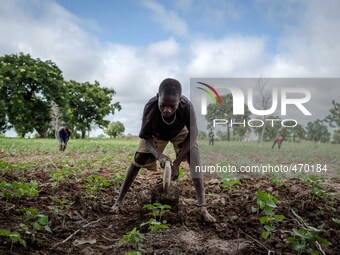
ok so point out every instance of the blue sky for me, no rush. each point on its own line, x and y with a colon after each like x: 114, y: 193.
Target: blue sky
x: 137, y: 22
x: 132, y: 45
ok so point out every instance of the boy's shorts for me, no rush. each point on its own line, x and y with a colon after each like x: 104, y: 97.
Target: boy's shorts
x: 62, y: 138
x: 160, y: 145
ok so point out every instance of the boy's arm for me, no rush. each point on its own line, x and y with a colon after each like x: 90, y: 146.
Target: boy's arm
x: 190, y: 140
x: 68, y: 137
x: 158, y: 155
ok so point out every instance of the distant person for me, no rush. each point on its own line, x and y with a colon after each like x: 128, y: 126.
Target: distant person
x: 63, y: 136
x: 168, y: 117
x: 211, y: 137
x: 278, y: 140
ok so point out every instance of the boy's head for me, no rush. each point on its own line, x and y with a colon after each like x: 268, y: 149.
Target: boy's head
x: 66, y: 129
x: 169, y: 95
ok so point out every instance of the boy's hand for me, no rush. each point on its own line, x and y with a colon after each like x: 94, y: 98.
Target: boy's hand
x: 174, y: 171
x: 162, y: 158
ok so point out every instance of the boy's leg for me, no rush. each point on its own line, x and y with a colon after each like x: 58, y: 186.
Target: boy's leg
x: 197, y: 179
x: 140, y: 159
x: 273, y: 145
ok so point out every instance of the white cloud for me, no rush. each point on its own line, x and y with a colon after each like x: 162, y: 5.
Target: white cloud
x: 169, y: 19
x: 46, y: 30
x: 229, y: 56
x: 310, y: 45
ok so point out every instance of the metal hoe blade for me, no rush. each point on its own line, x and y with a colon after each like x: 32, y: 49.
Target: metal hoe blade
x: 167, y: 176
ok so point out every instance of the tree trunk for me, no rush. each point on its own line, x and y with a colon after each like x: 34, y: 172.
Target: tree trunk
x: 42, y: 132
x: 228, y: 128
x: 83, y: 132
x: 263, y: 129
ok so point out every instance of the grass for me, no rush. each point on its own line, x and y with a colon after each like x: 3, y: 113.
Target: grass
x: 251, y: 153
x: 93, y: 154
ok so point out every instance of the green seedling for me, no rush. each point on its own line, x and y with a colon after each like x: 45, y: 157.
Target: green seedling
x: 62, y: 208
x: 118, y: 178
x: 14, y: 236
x: 229, y: 182
x: 34, y: 221
x: 131, y: 239
x: 277, y: 181
x: 157, y: 210
x: 95, y: 183
x: 133, y: 253
x: 64, y: 174
x: 181, y: 174
x: 305, y: 238
x: 267, y: 205
x: 155, y: 226
x: 19, y: 189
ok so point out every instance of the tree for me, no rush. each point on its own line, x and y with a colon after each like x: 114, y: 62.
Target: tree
x: 89, y: 104
x: 334, y: 117
x: 263, y: 101
x: 27, y: 87
x: 202, y: 135
x: 3, y: 118
x: 56, y: 118
x: 114, y: 129
x: 336, y: 136
x: 225, y: 111
x: 269, y: 131
x: 297, y: 132
x: 317, y: 131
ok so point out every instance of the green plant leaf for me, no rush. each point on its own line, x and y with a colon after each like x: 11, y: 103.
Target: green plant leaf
x: 5, y: 232
x: 266, y: 219
x: 48, y: 229
x: 269, y: 228
x: 42, y: 219
x: 271, y: 203
x: 265, y: 234
x: 279, y: 217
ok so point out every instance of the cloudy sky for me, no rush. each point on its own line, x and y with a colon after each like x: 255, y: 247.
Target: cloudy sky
x: 133, y: 45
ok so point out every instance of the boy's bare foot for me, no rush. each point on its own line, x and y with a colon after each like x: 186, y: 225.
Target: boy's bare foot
x: 206, y: 215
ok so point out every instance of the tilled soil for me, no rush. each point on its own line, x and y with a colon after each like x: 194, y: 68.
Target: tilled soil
x: 86, y: 226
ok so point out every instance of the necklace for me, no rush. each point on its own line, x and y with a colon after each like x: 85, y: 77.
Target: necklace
x: 168, y: 122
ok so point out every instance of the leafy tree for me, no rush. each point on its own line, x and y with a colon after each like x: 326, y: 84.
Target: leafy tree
x: 334, y: 117
x: 225, y: 111
x: 317, y: 131
x: 88, y: 105
x: 27, y: 87
x: 336, y: 136
x: 239, y: 132
x: 3, y: 118
x: 297, y: 132
x: 114, y: 129
x: 271, y: 129
x: 223, y: 136
x: 201, y: 135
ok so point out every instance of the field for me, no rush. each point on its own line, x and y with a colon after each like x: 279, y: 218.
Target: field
x: 59, y: 203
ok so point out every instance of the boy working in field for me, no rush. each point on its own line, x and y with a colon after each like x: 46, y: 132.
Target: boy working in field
x: 63, y: 136
x: 278, y: 140
x: 168, y: 117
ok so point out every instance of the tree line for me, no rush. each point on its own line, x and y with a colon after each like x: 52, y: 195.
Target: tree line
x: 316, y: 131
x: 34, y: 96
